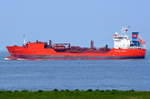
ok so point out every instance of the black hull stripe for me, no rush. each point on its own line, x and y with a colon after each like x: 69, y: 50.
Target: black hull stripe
x: 75, y: 57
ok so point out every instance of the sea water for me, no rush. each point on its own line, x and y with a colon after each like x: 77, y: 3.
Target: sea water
x: 75, y: 74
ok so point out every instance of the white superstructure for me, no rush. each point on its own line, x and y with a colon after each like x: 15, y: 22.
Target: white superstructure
x: 121, y: 41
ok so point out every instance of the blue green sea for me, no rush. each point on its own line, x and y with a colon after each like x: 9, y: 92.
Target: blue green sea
x: 75, y: 74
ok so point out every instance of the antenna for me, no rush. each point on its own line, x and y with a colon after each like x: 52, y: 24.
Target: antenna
x: 125, y: 29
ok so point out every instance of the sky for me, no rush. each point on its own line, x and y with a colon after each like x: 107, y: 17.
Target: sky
x: 71, y: 21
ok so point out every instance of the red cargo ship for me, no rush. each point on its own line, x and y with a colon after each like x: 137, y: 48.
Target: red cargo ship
x: 124, y: 48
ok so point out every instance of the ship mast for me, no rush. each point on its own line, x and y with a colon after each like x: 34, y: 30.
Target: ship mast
x: 125, y: 29
x: 24, y: 39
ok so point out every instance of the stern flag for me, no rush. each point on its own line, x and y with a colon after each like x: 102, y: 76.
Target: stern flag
x: 141, y: 41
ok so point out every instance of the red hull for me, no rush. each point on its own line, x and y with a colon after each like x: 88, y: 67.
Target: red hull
x: 17, y: 52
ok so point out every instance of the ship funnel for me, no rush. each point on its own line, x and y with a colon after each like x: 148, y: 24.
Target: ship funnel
x: 92, y: 44
x: 135, y: 36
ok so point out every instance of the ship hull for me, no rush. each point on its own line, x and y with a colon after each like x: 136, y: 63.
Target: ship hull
x: 21, y: 53
x: 29, y: 57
